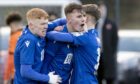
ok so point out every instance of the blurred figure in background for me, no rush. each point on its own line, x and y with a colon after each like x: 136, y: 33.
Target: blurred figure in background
x: 52, y: 16
x: 108, y: 34
x: 13, y: 20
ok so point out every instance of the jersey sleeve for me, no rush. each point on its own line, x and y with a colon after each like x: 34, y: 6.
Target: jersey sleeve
x: 60, y: 36
x: 55, y: 23
x: 27, y: 52
x: 76, y: 39
x: 28, y: 72
x: 80, y: 39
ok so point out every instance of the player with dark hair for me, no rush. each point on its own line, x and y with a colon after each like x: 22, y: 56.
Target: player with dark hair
x: 86, y: 49
x: 13, y: 20
x: 60, y: 54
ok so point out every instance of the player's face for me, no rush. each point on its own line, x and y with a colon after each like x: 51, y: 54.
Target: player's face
x: 16, y: 26
x: 77, y: 20
x: 40, y: 27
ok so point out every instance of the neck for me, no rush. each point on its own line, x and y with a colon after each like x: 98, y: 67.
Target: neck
x: 13, y: 30
x: 69, y: 28
x: 90, y: 25
x: 30, y: 28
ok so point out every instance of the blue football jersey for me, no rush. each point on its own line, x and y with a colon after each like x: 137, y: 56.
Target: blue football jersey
x: 86, y: 58
x: 58, y: 58
x: 29, y: 51
x: 86, y: 52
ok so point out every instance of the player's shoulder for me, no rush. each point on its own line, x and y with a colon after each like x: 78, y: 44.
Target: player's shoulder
x: 26, y: 34
x: 92, y: 32
x: 27, y: 37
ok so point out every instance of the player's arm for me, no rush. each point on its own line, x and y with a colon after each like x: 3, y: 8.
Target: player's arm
x: 59, y: 36
x: 28, y: 72
x: 58, y: 22
x: 67, y: 37
x: 27, y: 60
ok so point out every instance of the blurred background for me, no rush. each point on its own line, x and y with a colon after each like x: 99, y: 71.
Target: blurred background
x: 124, y: 13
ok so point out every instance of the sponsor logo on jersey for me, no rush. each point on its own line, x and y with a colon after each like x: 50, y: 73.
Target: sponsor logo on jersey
x: 27, y: 43
x: 68, y: 58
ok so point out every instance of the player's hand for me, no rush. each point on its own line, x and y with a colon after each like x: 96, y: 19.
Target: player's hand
x: 59, y: 28
x: 54, y: 79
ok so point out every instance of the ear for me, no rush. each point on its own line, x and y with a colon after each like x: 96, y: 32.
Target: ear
x: 90, y: 18
x: 68, y: 18
x: 30, y: 24
x: 87, y: 19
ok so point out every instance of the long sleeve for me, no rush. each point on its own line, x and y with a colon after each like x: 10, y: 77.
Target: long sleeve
x: 55, y: 23
x: 67, y: 37
x: 27, y: 72
x: 59, y: 36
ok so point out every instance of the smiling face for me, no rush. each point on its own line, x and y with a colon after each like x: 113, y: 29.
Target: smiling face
x: 77, y: 20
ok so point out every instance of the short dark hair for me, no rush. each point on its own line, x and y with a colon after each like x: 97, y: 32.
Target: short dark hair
x: 93, y: 10
x: 70, y: 7
x: 13, y: 17
x: 52, y: 13
x: 100, y: 3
